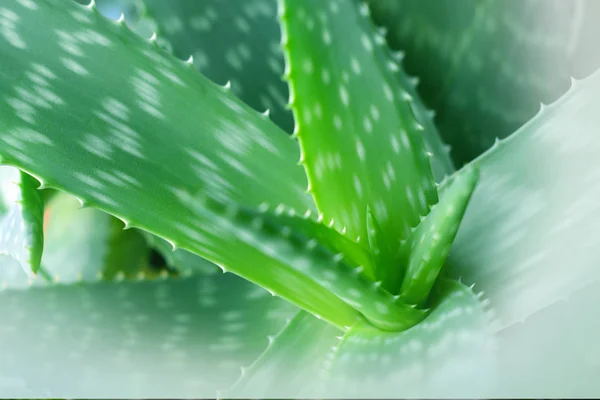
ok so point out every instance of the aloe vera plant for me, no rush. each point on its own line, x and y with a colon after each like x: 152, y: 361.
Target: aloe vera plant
x: 358, y: 261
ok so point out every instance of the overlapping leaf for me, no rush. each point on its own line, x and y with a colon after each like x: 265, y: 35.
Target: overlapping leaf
x: 429, y: 244
x: 362, y: 145
x: 529, y: 236
x: 235, y: 41
x: 182, y: 337
x: 486, y: 65
x: 451, y: 353
x: 148, y: 142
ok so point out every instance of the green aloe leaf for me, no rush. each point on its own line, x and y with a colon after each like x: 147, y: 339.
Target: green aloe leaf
x: 451, y: 353
x: 529, y: 236
x: 295, y: 356
x: 429, y: 244
x: 486, y: 65
x: 21, y: 219
x: 362, y: 145
x: 235, y: 41
x: 112, y: 150
x: 182, y: 337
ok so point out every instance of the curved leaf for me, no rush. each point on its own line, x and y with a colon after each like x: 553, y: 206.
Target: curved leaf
x: 429, y: 244
x: 450, y: 354
x: 291, y: 365
x: 529, y: 236
x: 108, y: 144
x: 174, y: 337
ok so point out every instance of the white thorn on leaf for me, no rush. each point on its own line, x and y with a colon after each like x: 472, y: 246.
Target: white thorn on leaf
x: 227, y: 86
x: 121, y: 19
x: 190, y: 60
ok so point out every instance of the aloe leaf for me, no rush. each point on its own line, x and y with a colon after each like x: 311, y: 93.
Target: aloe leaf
x: 183, y: 337
x: 338, y: 289
x: 361, y: 142
x: 21, y: 219
x: 111, y: 150
x: 451, y: 353
x: 353, y: 252
x: 529, y: 236
x: 486, y: 65
x: 429, y: 244
x: 294, y: 357
x: 86, y: 244
x: 236, y: 41
x: 555, y: 351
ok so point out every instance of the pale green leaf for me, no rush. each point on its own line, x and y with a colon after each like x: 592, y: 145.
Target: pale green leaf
x: 484, y: 66
x: 165, y: 338
x: 450, y: 354
x: 292, y: 364
x: 555, y: 352
x: 529, y: 236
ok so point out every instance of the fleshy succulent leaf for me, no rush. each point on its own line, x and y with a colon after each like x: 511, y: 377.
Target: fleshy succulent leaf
x: 324, y: 282
x: 486, y: 65
x: 529, y: 236
x: 21, y: 219
x: 429, y: 244
x: 111, y: 150
x: 183, y: 337
x: 353, y: 252
x: 451, y: 352
x: 235, y: 41
x: 361, y: 142
x: 294, y: 357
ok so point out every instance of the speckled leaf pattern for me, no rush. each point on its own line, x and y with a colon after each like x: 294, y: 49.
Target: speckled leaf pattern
x: 429, y: 244
x: 88, y: 245
x: 451, y: 353
x: 145, y: 143
x: 136, y: 339
x: 529, y: 236
x: 21, y: 220
x: 293, y: 364
x: 319, y: 280
x: 361, y: 142
x: 230, y: 40
x: 486, y: 65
